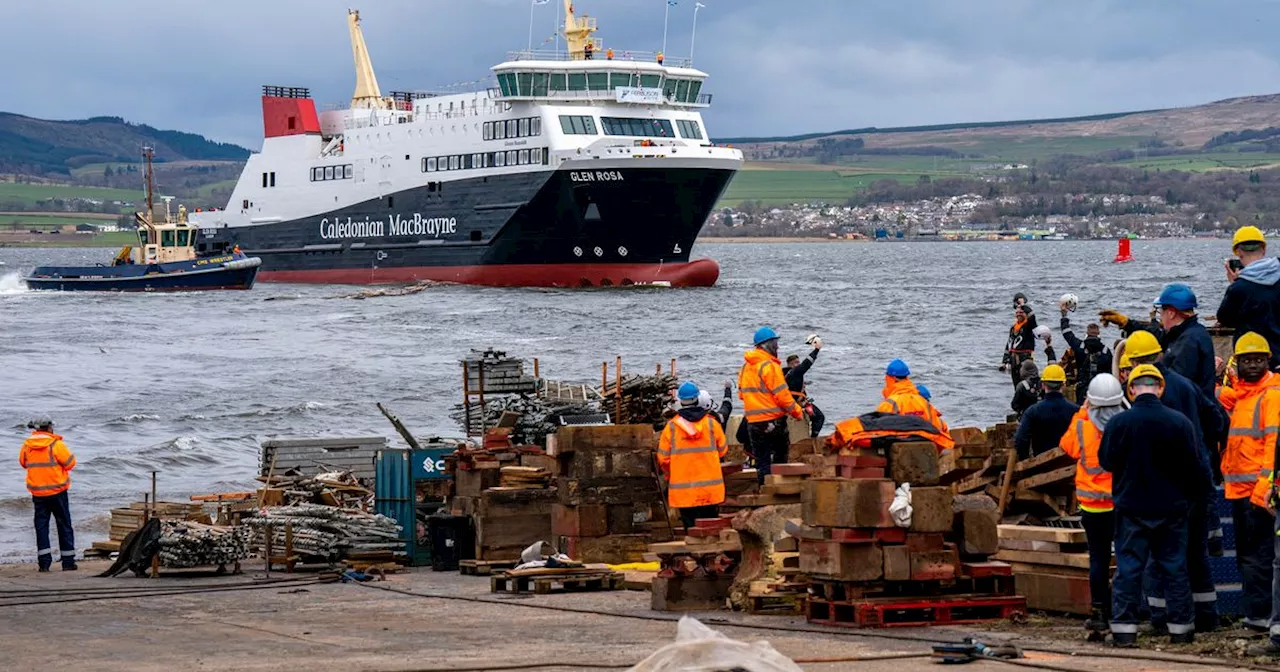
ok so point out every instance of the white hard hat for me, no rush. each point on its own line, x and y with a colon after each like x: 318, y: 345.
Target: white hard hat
x: 704, y: 399
x: 1105, y: 390
x: 1042, y: 332
x: 1068, y: 302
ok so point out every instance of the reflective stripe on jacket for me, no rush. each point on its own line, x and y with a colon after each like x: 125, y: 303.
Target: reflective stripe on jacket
x: 902, y: 398
x: 1093, y: 483
x: 1251, y: 439
x: 763, y: 389
x: 47, y: 461
x: 689, y: 453
x: 858, y: 432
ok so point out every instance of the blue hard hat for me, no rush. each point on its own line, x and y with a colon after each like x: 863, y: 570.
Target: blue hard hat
x: 898, y: 369
x: 688, y: 390
x: 764, y: 334
x: 1177, y: 296
x: 924, y: 391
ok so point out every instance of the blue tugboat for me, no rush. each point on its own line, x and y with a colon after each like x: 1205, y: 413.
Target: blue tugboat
x: 165, y: 260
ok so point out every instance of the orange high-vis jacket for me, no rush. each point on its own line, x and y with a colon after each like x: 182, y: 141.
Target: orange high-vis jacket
x: 902, y: 398
x: 852, y: 434
x: 47, y: 461
x: 689, y: 454
x: 1093, y: 483
x: 763, y: 389
x: 1251, y: 441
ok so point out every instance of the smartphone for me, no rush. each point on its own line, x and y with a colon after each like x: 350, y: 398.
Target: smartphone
x: 1235, y: 264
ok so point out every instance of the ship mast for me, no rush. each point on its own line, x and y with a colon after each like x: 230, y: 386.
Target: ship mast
x: 151, y: 204
x: 367, y: 94
x: 577, y: 31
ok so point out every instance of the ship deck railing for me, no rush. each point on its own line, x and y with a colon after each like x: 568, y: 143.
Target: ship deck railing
x: 600, y: 55
x: 592, y: 95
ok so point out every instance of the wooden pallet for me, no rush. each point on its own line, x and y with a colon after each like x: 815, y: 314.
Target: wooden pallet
x: 546, y: 583
x: 902, y: 612
x: 777, y: 604
x: 850, y: 591
x: 484, y: 567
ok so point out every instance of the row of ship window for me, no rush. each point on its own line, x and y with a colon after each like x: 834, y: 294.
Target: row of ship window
x: 575, y: 124
x: 552, y: 83
x: 514, y: 157
x: 321, y: 173
x: 527, y: 127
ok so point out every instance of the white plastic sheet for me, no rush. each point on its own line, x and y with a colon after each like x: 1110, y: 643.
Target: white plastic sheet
x: 700, y: 649
x: 900, y: 509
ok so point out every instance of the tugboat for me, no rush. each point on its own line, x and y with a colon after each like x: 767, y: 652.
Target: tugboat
x: 165, y: 260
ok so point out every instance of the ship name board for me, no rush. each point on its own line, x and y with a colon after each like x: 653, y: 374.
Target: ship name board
x: 596, y: 176
x: 639, y: 94
x: 396, y: 225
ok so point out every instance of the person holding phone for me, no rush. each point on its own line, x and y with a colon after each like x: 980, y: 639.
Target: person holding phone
x: 1252, y: 301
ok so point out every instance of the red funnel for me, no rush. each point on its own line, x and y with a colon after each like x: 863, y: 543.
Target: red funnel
x: 1122, y: 251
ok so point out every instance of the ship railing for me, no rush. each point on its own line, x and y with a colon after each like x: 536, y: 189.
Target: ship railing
x: 598, y: 55
x: 593, y: 95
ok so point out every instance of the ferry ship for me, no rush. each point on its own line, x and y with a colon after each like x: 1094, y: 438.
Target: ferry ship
x: 586, y: 167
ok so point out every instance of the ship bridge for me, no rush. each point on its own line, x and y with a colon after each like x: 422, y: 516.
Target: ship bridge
x: 626, y: 78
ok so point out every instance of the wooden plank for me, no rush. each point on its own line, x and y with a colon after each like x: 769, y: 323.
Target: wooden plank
x: 1048, y: 478
x: 1075, y: 560
x: 1061, y: 535
x: 1051, y: 459
x: 1053, y: 591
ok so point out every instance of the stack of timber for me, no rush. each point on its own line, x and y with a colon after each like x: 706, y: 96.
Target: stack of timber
x: 129, y: 518
x: 782, y: 485
x: 536, y: 416
x: 494, y: 372
x: 697, y: 572
x: 608, y: 507
x: 1038, y: 489
x: 645, y: 399
x: 338, y: 488
x: 864, y: 570
x: 509, y: 520
x: 319, y: 533
x: 1051, y: 566
x: 192, y: 544
x: 308, y: 456
x: 969, y: 456
x: 525, y: 478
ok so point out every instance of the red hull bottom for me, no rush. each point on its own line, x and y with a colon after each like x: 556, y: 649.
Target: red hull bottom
x: 697, y: 273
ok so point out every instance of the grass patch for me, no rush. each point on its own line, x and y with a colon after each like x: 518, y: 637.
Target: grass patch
x: 31, y: 194
x: 115, y: 239
x: 46, y: 221
x: 780, y: 187
x: 1207, y: 161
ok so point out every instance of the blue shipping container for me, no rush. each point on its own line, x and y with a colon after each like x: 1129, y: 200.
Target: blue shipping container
x: 395, y: 492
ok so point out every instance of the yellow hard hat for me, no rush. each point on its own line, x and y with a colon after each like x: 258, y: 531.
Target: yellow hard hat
x: 1142, y: 344
x: 1053, y: 374
x: 1252, y: 343
x: 1124, y: 361
x: 1248, y: 234
x: 1145, y: 371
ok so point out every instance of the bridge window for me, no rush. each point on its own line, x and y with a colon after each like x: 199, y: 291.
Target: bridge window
x: 573, y: 124
x: 695, y: 87
x: 689, y: 130
x: 669, y: 88
x: 556, y: 81
x: 525, y: 81
x: 539, y: 83
x: 682, y: 90
x: 598, y: 81
x: 507, y: 82
x: 651, y: 81
x: 644, y: 128
x: 577, y: 81
x: 618, y: 79
x: 184, y: 238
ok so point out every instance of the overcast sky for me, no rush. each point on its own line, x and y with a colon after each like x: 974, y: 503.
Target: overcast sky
x: 776, y: 66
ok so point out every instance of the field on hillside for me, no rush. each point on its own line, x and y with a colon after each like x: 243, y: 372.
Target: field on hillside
x: 1206, y: 161
x: 39, y: 220
x: 30, y: 194
x: 786, y: 184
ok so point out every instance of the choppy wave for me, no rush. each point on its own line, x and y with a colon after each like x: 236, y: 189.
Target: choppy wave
x: 11, y: 283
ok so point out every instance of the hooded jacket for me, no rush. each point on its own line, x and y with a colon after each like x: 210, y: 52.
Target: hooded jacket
x: 1043, y: 425
x: 1188, y: 349
x: 763, y: 389
x: 1252, y: 303
x: 902, y: 397
x: 1155, y: 462
x: 689, y: 452
x: 48, y: 462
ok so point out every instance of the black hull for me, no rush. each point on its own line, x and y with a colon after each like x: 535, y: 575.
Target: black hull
x: 188, y: 276
x: 555, y: 227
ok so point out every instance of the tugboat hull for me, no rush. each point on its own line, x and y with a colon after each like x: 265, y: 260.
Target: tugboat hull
x: 229, y: 272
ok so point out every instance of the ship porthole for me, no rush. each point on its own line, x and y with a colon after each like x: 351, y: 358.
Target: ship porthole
x: 577, y: 251
x: 599, y: 252
x: 622, y: 251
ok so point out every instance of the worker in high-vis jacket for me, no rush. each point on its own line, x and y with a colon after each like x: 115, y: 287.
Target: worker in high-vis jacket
x: 902, y: 398
x: 1104, y: 401
x: 49, y: 462
x: 1253, y: 400
x: 689, y: 452
x: 766, y: 403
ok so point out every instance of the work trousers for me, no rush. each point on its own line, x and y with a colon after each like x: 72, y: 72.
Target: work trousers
x: 1163, y: 543
x: 1100, y: 532
x: 1015, y: 365
x: 59, y: 506
x: 770, y: 445
x: 1255, y: 554
x: 816, y: 420
x: 1275, y: 586
x: 1203, y: 593
x: 690, y: 514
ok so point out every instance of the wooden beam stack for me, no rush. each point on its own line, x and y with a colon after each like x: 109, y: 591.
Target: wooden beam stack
x: 1051, y: 566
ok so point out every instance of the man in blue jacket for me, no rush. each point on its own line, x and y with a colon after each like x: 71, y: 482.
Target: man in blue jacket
x: 1208, y: 421
x: 1252, y: 301
x: 1042, y: 425
x: 1160, y: 477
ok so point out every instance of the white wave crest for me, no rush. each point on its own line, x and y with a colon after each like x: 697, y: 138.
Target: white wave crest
x: 11, y: 283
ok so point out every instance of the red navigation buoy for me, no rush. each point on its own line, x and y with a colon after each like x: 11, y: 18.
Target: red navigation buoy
x: 1122, y: 251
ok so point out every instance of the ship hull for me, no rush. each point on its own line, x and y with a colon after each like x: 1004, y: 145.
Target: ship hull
x: 186, y: 276
x: 566, y: 227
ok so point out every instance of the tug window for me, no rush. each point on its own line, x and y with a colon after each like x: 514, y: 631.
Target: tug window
x: 166, y: 238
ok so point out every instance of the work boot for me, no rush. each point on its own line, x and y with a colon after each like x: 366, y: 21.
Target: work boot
x: 1214, y: 544
x: 1206, y: 623
x: 1099, y: 620
x: 42, y: 568
x: 1124, y: 640
x: 1155, y: 629
x: 1255, y: 624
x: 1269, y: 649
x: 70, y: 566
x: 1183, y: 638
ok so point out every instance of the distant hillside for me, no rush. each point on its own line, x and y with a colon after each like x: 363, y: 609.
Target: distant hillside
x: 41, y: 147
x: 1189, y: 127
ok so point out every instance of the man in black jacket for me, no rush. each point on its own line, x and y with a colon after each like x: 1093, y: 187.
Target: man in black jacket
x: 1188, y: 348
x: 1091, y: 355
x: 794, y: 373
x: 1027, y: 392
x: 1252, y: 301
x: 1043, y: 425
x: 1021, y: 345
x: 1159, y: 477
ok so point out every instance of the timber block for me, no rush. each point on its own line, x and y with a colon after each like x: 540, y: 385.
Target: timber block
x: 790, y: 469
x: 977, y: 532
x: 914, y: 462
x: 934, y: 565
x: 703, y: 532
x: 968, y: 435
x: 858, y: 461
x: 888, y: 535
x: 609, y: 437
x: 588, y: 520
x: 897, y: 563
x: 473, y: 482
x: 690, y: 593
x: 860, y: 472
x: 617, y: 549
x: 842, y: 562
x: 847, y: 503
x: 606, y: 463
x: 924, y: 542
x: 1048, y: 589
x: 784, y: 488
x: 625, y: 518
x: 931, y: 509
x: 717, y: 523
x: 622, y: 490
x: 539, y: 460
